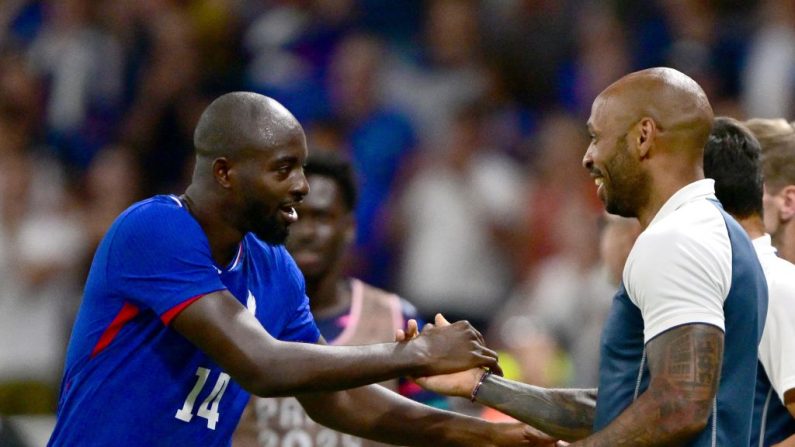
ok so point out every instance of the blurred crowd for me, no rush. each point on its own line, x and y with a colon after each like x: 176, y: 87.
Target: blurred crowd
x: 465, y: 120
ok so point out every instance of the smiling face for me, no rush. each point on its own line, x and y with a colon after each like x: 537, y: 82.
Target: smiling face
x: 320, y: 237
x: 272, y: 184
x: 622, y: 183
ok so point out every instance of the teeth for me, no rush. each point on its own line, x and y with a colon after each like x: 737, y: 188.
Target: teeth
x: 598, y: 181
x: 292, y: 212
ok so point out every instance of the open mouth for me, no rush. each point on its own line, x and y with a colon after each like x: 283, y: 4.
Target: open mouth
x: 289, y: 214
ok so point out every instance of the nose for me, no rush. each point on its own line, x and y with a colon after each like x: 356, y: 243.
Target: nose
x: 300, y: 187
x: 587, y: 159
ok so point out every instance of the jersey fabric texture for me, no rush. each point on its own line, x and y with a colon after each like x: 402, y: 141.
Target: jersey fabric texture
x: 772, y: 421
x: 131, y: 380
x: 693, y: 264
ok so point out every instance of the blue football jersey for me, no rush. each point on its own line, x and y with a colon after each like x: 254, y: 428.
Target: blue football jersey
x: 131, y: 380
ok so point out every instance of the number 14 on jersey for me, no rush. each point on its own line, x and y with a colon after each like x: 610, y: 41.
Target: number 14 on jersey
x: 209, y: 407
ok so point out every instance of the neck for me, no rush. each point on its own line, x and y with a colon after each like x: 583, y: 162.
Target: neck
x: 673, y: 177
x: 784, y: 241
x: 223, y: 237
x: 329, y: 294
x: 753, y: 225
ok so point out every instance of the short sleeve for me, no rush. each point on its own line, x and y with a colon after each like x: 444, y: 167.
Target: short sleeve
x: 160, y: 259
x: 677, y: 278
x: 777, y: 347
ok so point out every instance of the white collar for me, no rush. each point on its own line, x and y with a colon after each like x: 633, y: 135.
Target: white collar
x: 698, y: 190
x: 763, y: 245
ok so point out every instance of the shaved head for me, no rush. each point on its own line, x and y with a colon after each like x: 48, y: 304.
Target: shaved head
x: 648, y: 132
x: 243, y: 121
x: 676, y: 103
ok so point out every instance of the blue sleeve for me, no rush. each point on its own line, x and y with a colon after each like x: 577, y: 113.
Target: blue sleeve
x: 160, y: 258
x: 301, y: 325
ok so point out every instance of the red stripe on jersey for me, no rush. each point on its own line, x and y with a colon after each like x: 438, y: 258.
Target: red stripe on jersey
x: 174, y: 311
x: 127, y: 313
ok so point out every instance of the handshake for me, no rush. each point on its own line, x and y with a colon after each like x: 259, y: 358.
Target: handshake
x: 465, y: 381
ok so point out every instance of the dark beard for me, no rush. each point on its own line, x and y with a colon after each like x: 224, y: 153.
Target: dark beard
x: 629, y: 185
x: 267, y: 227
x: 271, y: 231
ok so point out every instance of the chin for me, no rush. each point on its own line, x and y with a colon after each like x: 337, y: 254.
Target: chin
x: 273, y: 237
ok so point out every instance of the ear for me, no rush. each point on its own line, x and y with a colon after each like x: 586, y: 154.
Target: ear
x: 221, y: 172
x: 647, y: 130
x: 787, y: 209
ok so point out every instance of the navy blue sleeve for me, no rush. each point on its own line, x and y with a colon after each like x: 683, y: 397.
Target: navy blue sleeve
x: 160, y: 258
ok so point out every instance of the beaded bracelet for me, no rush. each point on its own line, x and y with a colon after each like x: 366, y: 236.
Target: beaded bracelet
x: 475, y: 390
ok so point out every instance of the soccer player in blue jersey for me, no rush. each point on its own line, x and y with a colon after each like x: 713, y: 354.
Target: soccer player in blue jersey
x: 732, y: 158
x: 679, y: 347
x: 192, y: 303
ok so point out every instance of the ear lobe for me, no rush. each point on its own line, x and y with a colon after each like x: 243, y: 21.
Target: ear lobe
x: 787, y: 209
x: 647, y: 128
x: 221, y: 172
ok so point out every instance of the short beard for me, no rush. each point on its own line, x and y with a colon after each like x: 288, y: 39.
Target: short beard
x: 629, y: 184
x: 266, y: 227
x: 271, y: 231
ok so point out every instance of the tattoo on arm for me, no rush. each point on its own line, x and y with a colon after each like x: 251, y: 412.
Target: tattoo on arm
x: 684, y: 364
x: 567, y: 414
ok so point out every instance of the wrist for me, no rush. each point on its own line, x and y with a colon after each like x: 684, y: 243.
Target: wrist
x: 412, y: 358
x: 482, y: 378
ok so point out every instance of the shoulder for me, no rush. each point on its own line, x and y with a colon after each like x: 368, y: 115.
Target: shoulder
x: 373, y: 293
x: 389, y: 299
x: 153, y: 214
x: 689, y: 246
x: 698, y: 225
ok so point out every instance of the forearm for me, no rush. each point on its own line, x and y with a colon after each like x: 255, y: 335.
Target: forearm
x: 661, y: 416
x: 376, y: 413
x: 306, y: 368
x: 567, y: 414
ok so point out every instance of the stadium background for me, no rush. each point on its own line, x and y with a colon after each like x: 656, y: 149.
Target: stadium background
x: 465, y: 120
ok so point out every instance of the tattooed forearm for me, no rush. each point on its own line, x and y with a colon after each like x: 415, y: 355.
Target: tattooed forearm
x: 685, y: 369
x: 565, y: 414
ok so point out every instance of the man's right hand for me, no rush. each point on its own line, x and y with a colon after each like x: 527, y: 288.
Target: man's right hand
x: 451, y: 348
x: 455, y: 384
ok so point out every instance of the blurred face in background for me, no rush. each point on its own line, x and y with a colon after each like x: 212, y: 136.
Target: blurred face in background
x: 325, y: 228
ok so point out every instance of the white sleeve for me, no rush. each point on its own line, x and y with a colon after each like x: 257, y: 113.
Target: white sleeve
x: 678, y: 278
x: 777, y: 347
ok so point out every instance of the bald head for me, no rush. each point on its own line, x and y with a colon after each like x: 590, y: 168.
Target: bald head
x: 241, y: 121
x: 676, y: 103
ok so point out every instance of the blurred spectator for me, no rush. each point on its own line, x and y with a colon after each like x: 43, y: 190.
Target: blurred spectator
x: 41, y: 240
x: 601, y: 57
x: 451, y: 215
x: 556, y: 316
x: 559, y: 183
x: 380, y: 140
x: 83, y: 66
x: 446, y: 75
x: 768, y: 76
